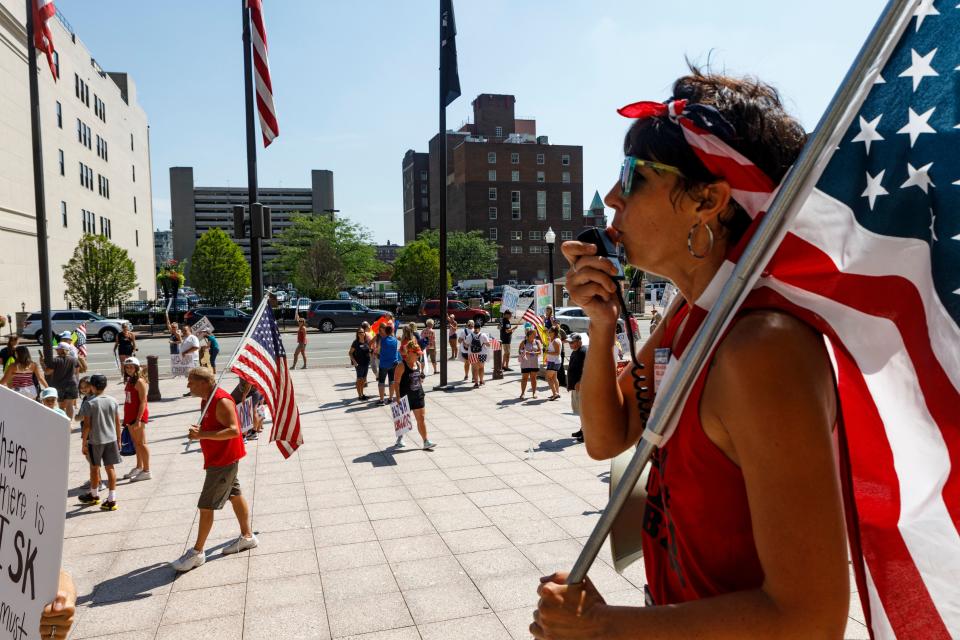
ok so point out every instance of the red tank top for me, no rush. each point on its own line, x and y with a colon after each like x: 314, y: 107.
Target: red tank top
x: 302, y: 335
x: 697, y: 538
x: 131, y: 401
x: 220, y: 453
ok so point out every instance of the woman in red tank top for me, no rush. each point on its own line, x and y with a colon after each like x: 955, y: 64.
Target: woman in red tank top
x: 743, y: 532
x: 135, y: 416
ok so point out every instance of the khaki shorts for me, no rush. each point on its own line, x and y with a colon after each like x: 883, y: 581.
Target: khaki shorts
x: 220, y: 485
x: 575, y: 402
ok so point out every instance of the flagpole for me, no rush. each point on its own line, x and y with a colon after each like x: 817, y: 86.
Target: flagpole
x: 787, y: 203
x: 40, y: 205
x: 443, y: 213
x: 256, y: 226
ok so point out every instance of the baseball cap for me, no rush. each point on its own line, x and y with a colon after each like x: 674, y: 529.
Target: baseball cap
x: 49, y: 392
x: 63, y: 346
x: 131, y: 360
x: 574, y: 336
x: 66, y: 335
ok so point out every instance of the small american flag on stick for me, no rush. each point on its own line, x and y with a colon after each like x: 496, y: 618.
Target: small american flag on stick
x: 531, y: 316
x: 494, y: 344
x: 262, y: 361
x: 82, y: 340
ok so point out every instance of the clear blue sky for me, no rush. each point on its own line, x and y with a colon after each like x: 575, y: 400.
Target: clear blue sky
x: 355, y: 83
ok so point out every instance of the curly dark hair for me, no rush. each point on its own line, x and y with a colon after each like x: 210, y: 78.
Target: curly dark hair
x: 765, y: 133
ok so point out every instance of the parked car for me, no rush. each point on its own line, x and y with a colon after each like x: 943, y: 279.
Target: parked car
x: 327, y: 315
x: 69, y: 319
x: 302, y: 305
x: 460, y: 311
x: 223, y: 319
x: 527, y: 292
x: 575, y: 319
x: 344, y: 295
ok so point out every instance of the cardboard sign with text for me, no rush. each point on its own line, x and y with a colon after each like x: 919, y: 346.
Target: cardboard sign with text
x: 544, y: 298
x: 402, y: 416
x: 511, y: 299
x: 181, y: 365
x: 202, y: 327
x: 34, y: 460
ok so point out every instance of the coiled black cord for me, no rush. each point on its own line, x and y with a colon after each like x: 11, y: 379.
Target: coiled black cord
x: 643, y: 404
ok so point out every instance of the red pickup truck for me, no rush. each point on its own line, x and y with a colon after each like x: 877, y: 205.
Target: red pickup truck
x: 460, y: 311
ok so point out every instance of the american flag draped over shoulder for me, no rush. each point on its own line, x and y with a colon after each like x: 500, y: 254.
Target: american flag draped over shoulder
x: 261, y: 66
x: 43, y: 11
x: 262, y: 362
x: 873, y: 261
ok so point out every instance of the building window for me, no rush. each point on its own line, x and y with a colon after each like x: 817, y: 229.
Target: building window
x: 59, y: 115
x: 492, y: 193
x: 76, y: 84
x: 565, y: 177
x: 103, y: 186
x: 424, y: 202
x: 540, y: 158
x: 423, y: 175
x: 535, y: 235
x: 514, y: 158
x: 60, y: 154
x: 136, y: 236
x: 565, y: 160
x: 133, y: 172
x: 566, y: 207
x: 492, y: 175
x: 541, y: 178
x: 536, y: 248
x: 515, y: 205
x: 516, y: 235
x: 541, y: 205
x: 131, y: 142
x: 492, y: 157
x: 515, y: 176
x: 493, y: 233
x: 498, y: 132
x: 566, y: 235
x: 423, y: 187
x: 134, y: 204
x: 516, y: 249
x: 492, y: 213
x: 63, y: 212
x: 56, y: 65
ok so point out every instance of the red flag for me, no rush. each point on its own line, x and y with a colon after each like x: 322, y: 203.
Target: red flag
x: 43, y: 10
x: 261, y: 66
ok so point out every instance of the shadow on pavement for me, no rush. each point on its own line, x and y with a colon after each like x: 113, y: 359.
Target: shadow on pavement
x: 556, y: 445
x: 135, y: 585
x: 604, y: 477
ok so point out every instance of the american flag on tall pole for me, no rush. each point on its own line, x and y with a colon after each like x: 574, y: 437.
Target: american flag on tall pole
x: 262, y: 361
x: 43, y: 11
x: 261, y: 67
x: 872, y: 260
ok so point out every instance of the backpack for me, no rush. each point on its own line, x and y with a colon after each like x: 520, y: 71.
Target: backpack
x: 476, y: 344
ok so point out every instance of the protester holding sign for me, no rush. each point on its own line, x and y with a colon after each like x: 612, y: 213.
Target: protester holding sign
x: 135, y: 416
x: 221, y: 442
x: 743, y: 534
x: 389, y: 356
x: 101, y: 443
x: 410, y: 373
x: 174, y: 330
x: 56, y: 619
x: 529, y: 356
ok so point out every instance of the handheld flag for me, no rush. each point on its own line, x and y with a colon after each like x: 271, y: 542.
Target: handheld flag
x: 43, y: 10
x: 449, y: 75
x: 262, y: 361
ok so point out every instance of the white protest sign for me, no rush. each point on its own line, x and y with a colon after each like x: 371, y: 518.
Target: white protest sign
x: 544, y: 298
x: 180, y: 365
x: 511, y: 298
x: 402, y: 416
x: 668, y: 293
x: 34, y: 460
x: 202, y: 327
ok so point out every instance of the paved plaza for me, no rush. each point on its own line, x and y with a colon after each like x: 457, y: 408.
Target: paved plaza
x: 357, y: 539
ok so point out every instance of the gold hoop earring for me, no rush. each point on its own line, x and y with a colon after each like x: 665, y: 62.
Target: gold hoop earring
x: 693, y: 231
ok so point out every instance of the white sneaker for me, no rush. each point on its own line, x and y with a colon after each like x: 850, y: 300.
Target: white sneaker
x: 143, y: 475
x: 189, y: 560
x: 428, y: 446
x: 399, y: 443
x: 133, y: 473
x: 241, y: 544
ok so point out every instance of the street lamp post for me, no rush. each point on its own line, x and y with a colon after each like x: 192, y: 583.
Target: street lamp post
x: 550, y: 238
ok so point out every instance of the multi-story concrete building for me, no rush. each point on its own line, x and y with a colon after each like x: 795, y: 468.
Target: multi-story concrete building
x: 96, y: 158
x: 416, y: 194
x: 387, y: 252
x: 510, y: 183
x: 195, y: 210
x: 162, y: 246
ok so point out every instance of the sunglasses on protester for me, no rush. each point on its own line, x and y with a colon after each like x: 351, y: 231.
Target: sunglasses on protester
x: 631, y: 165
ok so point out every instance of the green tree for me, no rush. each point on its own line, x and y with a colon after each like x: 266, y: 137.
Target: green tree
x: 416, y: 271
x: 470, y: 254
x: 99, y: 274
x: 320, y: 273
x: 218, y: 270
x: 350, y: 242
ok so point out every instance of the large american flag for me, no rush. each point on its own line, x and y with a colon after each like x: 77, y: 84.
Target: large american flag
x: 262, y: 361
x: 43, y: 11
x: 873, y: 261
x: 531, y: 316
x: 261, y: 67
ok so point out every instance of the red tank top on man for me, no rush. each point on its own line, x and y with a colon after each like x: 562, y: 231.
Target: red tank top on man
x: 131, y: 402
x: 697, y: 535
x: 220, y: 453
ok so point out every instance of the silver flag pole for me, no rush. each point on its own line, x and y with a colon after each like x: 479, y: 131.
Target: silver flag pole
x: 794, y: 190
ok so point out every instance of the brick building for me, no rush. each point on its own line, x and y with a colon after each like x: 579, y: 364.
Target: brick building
x: 416, y: 194
x: 510, y: 183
